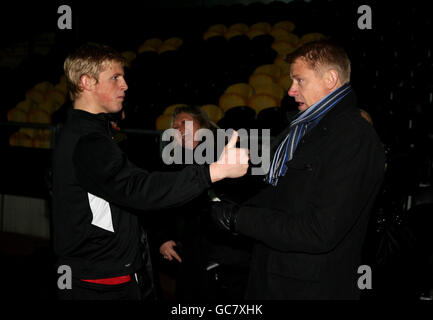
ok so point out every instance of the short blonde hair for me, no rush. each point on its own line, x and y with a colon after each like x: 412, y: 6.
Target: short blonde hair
x: 324, y: 53
x: 90, y: 59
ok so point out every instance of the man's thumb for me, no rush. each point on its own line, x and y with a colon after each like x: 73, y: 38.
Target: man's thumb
x: 232, y: 141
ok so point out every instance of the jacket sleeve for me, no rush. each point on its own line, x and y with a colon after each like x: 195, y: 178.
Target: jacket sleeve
x: 338, y: 197
x: 102, y: 169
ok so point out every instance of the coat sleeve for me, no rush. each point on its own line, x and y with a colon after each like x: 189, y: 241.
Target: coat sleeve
x: 102, y: 169
x: 354, y: 171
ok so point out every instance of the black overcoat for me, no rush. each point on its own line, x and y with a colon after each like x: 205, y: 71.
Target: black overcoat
x: 310, y: 228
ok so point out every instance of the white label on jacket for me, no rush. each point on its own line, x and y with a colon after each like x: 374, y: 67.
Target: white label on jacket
x: 101, y: 212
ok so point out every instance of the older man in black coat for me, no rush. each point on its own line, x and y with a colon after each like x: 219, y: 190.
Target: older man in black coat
x: 310, y: 222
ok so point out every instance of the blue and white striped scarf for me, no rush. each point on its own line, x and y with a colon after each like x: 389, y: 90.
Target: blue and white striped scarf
x: 304, y: 121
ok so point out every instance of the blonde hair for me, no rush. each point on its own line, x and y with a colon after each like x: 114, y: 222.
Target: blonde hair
x: 90, y: 59
x: 324, y: 53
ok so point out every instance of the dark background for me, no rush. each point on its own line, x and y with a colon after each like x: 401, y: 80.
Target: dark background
x: 392, y: 75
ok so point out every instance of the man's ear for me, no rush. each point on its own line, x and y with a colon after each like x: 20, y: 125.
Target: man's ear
x: 87, y: 83
x: 331, y: 78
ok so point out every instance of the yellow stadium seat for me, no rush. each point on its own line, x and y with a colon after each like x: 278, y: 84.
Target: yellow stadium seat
x: 260, y: 79
x: 38, y: 116
x: 233, y: 33
x: 163, y: 122
x: 286, y: 25
x: 270, y: 69
x: 42, y: 139
x: 17, y: 115
x: 285, y: 82
x: 174, y: 42
x: 213, y: 112
x: 218, y: 28
x: 62, y: 87
x: 309, y: 37
x: 272, y: 89
x: 262, y: 26
x: 283, y: 47
x: 243, y: 89
x: 230, y: 100
x: 150, y: 45
x: 35, y: 95
x: 283, y: 64
x: 153, y: 42
x: 211, y: 34
x: 47, y: 106
x: 279, y: 33
x: 262, y: 101
x: 57, y: 97
x: 29, y: 131
x: 241, y: 27
x: 170, y: 109
x: 26, y: 105
x: 252, y: 33
x: 166, y: 47
x: 20, y: 139
x: 146, y: 48
x: 293, y: 39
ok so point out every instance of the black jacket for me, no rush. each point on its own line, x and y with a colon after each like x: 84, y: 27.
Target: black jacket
x: 97, y: 192
x: 310, y: 228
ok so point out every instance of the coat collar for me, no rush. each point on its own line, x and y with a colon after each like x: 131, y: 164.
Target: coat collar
x: 91, y: 116
x: 346, y: 105
x: 94, y: 122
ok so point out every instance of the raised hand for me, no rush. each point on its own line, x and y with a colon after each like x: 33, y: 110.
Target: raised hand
x: 232, y: 163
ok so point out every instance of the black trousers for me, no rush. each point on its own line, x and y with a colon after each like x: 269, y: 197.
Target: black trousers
x: 91, y: 291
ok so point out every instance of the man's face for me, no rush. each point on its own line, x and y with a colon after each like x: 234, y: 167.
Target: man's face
x: 308, y: 85
x: 187, y: 127
x: 110, y: 89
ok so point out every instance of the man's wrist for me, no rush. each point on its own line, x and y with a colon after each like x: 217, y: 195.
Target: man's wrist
x: 216, y: 174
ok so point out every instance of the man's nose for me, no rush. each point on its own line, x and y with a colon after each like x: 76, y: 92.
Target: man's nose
x: 293, y: 90
x: 124, y: 85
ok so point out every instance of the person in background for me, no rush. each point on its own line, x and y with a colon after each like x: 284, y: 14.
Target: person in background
x: 184, y: 235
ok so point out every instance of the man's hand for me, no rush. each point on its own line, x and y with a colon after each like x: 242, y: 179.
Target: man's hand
x: 167, y: 250
x: 232, y: 163
x: 224, y: 215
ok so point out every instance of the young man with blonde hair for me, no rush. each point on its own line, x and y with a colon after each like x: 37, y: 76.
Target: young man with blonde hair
x: 98, y: 192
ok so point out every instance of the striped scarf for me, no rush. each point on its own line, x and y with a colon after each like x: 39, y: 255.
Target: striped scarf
x: 303, y: 122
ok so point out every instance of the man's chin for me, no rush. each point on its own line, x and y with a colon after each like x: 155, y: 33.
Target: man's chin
x: 302, y: 107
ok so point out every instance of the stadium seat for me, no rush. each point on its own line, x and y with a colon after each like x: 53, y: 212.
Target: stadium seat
x: 230, y: 100
x: 213, y: 112
x: 260, y: 80
x: 261, y: 101
x: 243, y: 89
x: 271, y: 89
